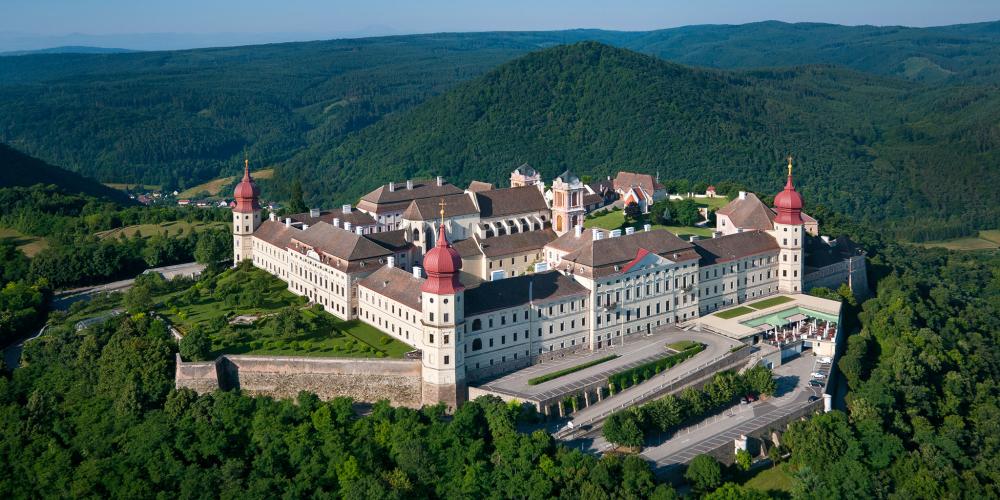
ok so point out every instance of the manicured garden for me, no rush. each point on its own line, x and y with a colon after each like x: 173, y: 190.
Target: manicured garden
x: 771, y: 302
x: 275, y: 321
x: 567, y: 371
x: 615, y: 219
x: 734, y: 312
x: 643, y: 372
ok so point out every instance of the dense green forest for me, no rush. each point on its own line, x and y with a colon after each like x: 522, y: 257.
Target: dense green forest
x: 919, y: 137
x: 881, y: 150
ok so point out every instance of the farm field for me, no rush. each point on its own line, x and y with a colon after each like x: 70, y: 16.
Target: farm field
x: 212, y: 187
x: 986, y: 240
x: 30, y: 245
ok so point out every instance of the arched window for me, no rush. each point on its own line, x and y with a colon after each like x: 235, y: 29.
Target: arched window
x: 416, y: 234
x: 477, y: 344
x: 477, y: 324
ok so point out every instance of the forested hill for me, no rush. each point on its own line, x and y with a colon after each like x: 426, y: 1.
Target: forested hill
x: 19, y: 169
x: 876, y: 148
x: 180, y: 118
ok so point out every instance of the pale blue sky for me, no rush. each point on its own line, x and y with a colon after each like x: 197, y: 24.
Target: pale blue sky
x: 305, y: 19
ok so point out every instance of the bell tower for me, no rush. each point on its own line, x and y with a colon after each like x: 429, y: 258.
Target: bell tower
x: 443, y: 318
x: 789, y: 232
x: 567, y: 203
x: 246, y: 216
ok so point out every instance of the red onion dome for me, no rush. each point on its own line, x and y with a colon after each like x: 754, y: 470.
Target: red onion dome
x: 442, y: 264
x: 788, y: 202
x: 246, y: 192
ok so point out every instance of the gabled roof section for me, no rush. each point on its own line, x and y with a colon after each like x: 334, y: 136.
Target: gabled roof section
x: 275, y: 233
x: 339, y: 243
x: 734, y: 246
x: 394, y: 240
x: 382, y: 200
x: 607, y: 256
x: 514, y: 292
x: 355, y: 217
x: 395, y: 284
x: 476, y: 186
x: 516, y: 243
x: 625, y: 180
x: 510, y: 201
x: 455, y: 205
x: 749, y: 213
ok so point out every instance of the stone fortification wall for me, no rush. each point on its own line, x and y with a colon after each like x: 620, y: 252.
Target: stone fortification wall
x: 833, y: 275
x: 364, y: 380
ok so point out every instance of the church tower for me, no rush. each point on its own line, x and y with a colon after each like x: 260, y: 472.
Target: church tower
x: 246, y: 216
x: 443, y: 306
x: 525, y: 176
x: 567, y: 203
x: 789, y: 231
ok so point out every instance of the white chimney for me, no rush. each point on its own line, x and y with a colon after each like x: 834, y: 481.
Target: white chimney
x: 440, y: 181
x: 346, y: 208
x: 616, y: 233
x: 305, y: 226
x: 827, y: 403
x: 272, y: 216
x: 646, y: 227
x: 288, y: 222
x: 313, y: 212
x: 336, y: 222
x: 577, y: 231
x: 390, y: 261
x: 409, y: 183
x: 347, y: 226
x: 693, y: 238
x: 629, y: 230
x: 419, y: 273
x: 743, y: 195
x: 716, y: 234
x: 392, y: 186
x: 596, y: 234
x: 359, y: 230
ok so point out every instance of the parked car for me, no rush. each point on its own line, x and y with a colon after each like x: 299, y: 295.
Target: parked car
x: 818, y: 375
x: 816, y: 383
x: 825, y: 359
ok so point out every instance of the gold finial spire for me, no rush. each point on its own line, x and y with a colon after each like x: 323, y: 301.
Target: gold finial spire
x: 789, y: 165
x: 442, y: 204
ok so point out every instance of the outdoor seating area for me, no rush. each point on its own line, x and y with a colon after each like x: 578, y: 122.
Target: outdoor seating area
x: 799, y: 328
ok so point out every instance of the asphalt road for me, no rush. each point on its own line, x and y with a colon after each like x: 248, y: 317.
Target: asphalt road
x: 63, y: 299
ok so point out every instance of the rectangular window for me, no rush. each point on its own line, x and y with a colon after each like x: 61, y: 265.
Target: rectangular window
x: 446, y: 359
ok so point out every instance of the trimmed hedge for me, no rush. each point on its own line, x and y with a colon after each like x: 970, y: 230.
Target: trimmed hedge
x: 644, y: 372
x: 567, y: 371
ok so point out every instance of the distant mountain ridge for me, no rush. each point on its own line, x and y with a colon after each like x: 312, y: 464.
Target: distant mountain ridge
x: 67, y: 49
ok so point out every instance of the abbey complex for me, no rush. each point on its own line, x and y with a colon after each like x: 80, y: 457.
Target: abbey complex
x: 488, y: 280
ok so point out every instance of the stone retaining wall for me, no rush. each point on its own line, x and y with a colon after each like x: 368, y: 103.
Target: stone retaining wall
x: 364, y: 380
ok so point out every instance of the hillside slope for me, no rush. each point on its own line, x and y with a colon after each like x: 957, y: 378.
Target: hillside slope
x: 597, y: 109
x: 19, y: 169
x: 180, y: 118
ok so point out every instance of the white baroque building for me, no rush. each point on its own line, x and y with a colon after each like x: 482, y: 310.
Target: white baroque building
x: 487, y: 280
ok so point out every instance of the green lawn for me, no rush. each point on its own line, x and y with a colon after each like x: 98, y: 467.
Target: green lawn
x: 284, y: 326
x: 616, y: 220
x: 567, y: 371
x: 775, y: 481
x: 771, y: 302
x: 30, y: 245
x: 715, y: 203
x: 682, y: 345
x: 171, y: 228
x: 734, y: 312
